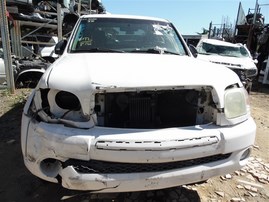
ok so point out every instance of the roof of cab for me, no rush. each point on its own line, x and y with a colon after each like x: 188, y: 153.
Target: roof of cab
x: 123, y: 17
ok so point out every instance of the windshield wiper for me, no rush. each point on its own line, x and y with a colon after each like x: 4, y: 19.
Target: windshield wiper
x: 153, y: 50
x: 150, y: 50
x: 202, y: 53
x: 170, y: 52
x: 98, y: 50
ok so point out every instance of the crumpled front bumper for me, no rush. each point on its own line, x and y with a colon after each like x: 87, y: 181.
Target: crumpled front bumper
x: 42, y: 141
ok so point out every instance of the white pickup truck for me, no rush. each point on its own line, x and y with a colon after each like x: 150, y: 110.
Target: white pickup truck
x: 128, y: 108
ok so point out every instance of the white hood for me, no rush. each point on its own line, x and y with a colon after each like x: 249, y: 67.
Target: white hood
x: 230, y: 62
x: 76, y: 71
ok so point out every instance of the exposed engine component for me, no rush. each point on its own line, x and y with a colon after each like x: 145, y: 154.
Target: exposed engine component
x: 150, y: 109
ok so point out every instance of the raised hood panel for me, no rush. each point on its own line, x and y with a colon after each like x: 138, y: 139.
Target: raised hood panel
x: 84, y: 71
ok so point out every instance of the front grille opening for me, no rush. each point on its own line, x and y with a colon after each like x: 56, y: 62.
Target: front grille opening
x: 150, y: 109
x: 104, y: 167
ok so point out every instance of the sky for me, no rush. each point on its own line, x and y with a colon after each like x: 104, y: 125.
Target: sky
x: 189, y: 16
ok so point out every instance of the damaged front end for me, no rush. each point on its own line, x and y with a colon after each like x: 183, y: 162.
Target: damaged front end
x: 144, y: 109
x: 141, y: 119
x: 123, y: 132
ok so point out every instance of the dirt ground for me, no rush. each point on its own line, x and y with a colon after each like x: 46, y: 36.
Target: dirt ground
x: 17, y: 184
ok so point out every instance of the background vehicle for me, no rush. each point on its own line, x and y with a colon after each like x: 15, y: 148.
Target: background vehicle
x: 26, y: 71
x: 234, y: 56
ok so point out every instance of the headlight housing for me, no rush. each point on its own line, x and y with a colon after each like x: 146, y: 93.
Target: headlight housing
x: 67, y: 100
x: 235, y: 103
x: 251, y: 72
x: 54, y: 106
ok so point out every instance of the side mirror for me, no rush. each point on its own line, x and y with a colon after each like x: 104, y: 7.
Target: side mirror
x: 255, y: 61
x: 193, y: 50
x: 60, y: 46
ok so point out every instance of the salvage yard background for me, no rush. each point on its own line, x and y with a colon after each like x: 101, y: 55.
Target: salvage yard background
x: 18, y: 184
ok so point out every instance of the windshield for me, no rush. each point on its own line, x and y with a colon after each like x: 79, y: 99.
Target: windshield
x: 126, y: 35
x: 230, y: 51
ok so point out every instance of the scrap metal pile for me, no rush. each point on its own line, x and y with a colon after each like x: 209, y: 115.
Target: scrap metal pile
x: 38, y: 34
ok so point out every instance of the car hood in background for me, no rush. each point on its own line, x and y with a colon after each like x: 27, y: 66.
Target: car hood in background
x: 230, y: 62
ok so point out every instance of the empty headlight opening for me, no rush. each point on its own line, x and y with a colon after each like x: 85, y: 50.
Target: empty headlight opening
x: 67, y: 100
x: 58, y: 105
